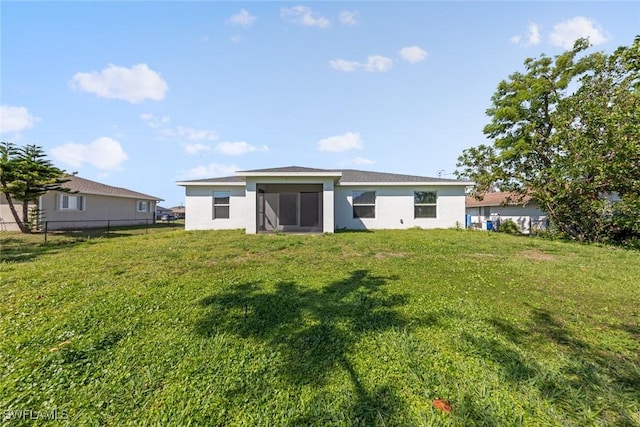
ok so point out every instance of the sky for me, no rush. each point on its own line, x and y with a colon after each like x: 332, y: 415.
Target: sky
x: 143, y: 94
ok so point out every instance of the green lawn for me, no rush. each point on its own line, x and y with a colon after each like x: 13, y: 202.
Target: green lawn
x: 222, y: 328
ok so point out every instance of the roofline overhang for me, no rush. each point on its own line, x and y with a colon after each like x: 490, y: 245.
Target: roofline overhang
x: 211, y: 184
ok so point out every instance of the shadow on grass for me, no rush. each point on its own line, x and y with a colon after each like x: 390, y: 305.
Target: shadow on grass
x: 17, y: 247
x: 313, y: 331
x: 586, y: 373
x: 24, y: 249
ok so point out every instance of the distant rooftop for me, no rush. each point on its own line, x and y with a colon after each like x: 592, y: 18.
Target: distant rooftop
x: 498, y: 199
x: 86, y: 186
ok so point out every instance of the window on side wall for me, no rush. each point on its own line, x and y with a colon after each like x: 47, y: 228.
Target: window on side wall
x: 364, y: 204
x: 144, y: 206
x: 71, y: 203
x: 425, y: 204
x: 221, y: 204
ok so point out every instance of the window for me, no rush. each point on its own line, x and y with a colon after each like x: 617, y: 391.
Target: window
x: 71, y: 203
x: 364, y: 204
x: 221, y: 204
x: 144, y: 206
x: 424, y: 204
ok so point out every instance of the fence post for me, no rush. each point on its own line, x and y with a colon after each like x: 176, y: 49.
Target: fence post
x: 46, y: 228
x: 146, y: 226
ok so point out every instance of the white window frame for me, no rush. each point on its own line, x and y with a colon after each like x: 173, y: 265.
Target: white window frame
x: 357, y: 193
x: 72, y: 207
x: 415, y: 204
x: 144, y: 204
x: 221, y: 195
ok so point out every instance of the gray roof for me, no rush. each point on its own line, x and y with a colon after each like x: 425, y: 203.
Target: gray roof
x: 352, y: 175
x: 86, y: 186
x: 287, y: 169
x: 348, y: 175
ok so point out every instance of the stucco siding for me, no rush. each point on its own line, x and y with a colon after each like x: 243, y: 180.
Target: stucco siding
x: 199, y: 209
x: 395, y: 208
x: 97, y: 210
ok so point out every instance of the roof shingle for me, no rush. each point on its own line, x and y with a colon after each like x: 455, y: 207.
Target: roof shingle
x: 86, y: 186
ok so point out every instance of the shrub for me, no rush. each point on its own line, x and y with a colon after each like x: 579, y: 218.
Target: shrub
x: 509, y: 227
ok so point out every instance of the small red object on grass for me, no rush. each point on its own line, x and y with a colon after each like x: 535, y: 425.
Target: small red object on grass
x: 443, y: 405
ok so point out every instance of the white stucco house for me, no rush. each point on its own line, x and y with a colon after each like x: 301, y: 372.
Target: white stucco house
x: 89, y: 204
x: 501, y: 206
x: 300, y: 199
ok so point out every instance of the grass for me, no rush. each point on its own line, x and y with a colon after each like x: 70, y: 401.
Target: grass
x: 222, y: 328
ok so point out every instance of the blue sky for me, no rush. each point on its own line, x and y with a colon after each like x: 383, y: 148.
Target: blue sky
x: 143, y: 94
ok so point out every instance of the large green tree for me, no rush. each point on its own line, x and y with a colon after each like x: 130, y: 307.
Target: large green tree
x: 25, y: 175
x: 566, y: 132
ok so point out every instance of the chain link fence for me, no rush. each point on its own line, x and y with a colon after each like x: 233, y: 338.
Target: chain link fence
x: 72, y: 231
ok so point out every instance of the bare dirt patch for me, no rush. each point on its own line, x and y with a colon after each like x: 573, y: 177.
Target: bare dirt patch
x: 536, y: 255
x: 384, y: 255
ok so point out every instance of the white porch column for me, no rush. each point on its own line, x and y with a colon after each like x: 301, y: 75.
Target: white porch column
x: 328, y: 211
x: 251, y: 208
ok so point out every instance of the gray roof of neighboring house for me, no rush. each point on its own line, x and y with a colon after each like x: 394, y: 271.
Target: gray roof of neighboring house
x: 86, y: 186
x: 348, y: 175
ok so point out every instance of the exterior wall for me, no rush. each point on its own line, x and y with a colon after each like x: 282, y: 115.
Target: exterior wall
x: 395, y: 208
x: 199, y: 208
x: 526, y: 217
x: 7, y: 221
x: 97, y: 210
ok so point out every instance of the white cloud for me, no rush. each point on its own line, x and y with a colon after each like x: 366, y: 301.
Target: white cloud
x: 236, y: 38
x: 196, y: 148
x: 531, y: 39
x: 133, y: 84
x: 565, y: 33
x: 211, y: 170
x: 155, y: 122
x: 338, y: 143
x: 344, y: 65
x: 242, y: 18
x: 191, y: 134
x: 302, y: 15
x: 15, y: 119
x: 413, y: 54
x: 374, y: 63
x: 104, y: 153
x: 358, y: 161
x: 378, y: 63
x: 238, y: 148
x: 348, y: 17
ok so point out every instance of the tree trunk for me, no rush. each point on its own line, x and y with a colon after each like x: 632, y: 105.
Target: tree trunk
x: 16, y: 217
x: 25, y: 216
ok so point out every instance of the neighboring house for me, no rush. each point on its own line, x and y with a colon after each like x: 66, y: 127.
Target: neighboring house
x: 498, y: 207
x: 162, y: 211
x: 300, y: 199
x: 90, y: 204
x: 178, y: 212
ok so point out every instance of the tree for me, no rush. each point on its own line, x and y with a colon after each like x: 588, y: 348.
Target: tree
x: 25, y: 175
x: 567, y: 133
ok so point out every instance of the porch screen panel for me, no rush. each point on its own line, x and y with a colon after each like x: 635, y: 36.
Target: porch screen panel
x: 288, y: 209
x: 309, y: 209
